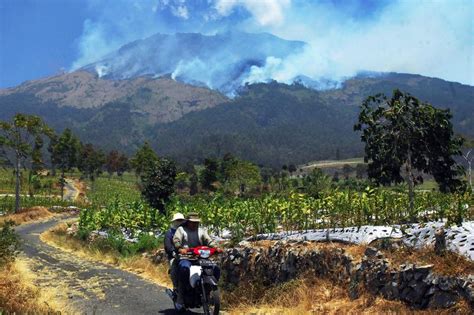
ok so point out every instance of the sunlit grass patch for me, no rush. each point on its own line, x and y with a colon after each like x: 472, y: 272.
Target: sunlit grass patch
x: 18, y: 294
x: 27, y: 215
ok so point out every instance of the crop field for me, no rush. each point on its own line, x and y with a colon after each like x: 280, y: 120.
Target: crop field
x: 106, y: 188
x: 271, y: 213
x: 41, y: 185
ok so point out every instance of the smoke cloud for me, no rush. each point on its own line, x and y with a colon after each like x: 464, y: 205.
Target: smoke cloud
x: 432, y: 38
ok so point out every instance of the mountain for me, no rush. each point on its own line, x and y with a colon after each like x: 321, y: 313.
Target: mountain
x: 271, y: 124
x: 220, y: 62
x: 186, y: 94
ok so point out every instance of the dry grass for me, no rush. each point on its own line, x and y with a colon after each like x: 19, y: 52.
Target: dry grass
x: 451, y: 264
x: 317, y: 296
x: 140, y: 265
x: 356, y: 251
x: 18, y: 294
x: 27, y: 215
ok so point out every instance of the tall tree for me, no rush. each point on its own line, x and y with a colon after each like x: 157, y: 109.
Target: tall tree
x: 91, y: 161
x: 122, y: 164
x: 404, y: 133
x: 16, y: 137
x: 111, y: 162
x: 157, y: 183
x: 210, y: 174
x: 65, y: 154
x: 144, y: 157
x: 37, y: 165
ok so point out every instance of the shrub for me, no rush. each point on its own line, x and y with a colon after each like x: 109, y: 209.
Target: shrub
x: 9, y: 243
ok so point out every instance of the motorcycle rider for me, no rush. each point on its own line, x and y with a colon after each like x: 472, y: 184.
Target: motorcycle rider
x: 190, y: 235
x: 176, y: 221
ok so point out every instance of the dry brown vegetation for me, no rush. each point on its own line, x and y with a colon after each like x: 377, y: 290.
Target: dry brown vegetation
x: 451, y: 264
x: 311, y: 295
x: 19, y: 295
x: 27, y: 215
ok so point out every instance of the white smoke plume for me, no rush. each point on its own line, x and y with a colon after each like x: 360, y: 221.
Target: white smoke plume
x: 427, y: 37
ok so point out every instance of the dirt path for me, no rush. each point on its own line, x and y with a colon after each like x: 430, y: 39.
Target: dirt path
x: 89, y: 287
x: 71, y: 192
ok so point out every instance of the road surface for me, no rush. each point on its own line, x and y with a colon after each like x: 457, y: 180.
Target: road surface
x: 89, y: 287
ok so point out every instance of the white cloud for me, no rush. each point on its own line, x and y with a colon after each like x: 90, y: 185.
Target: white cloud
x: 180, y: 11
x: 266, y: 12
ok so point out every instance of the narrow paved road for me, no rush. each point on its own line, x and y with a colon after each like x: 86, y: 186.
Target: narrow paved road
x: 90, y: 287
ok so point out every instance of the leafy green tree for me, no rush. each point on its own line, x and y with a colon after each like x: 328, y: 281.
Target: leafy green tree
x: 65, y: 154
x: 361, y: 170
x: 193, y: 184
x: 157, y: 183
x: 243, y: 175
x: 144, y: 157
x: 37, y: 165
x: 405, y: 133
x: 53, y: 139
x: 123, y: 164
x: 316, y: 183
x: 210, y: 174
x: 16, y: 141
x: 37, y: 162
x: 111, y: 162
x: 91, y: 161
x: 9, y: 243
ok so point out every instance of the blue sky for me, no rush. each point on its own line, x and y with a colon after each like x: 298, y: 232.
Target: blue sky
x: 430, y: 37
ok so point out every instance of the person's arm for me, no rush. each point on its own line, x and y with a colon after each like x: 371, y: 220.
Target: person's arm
x: 178, y: 238
x: 169, y: 246
x: 207, y: 240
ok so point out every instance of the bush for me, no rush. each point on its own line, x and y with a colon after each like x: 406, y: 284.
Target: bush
x: 9, y: 243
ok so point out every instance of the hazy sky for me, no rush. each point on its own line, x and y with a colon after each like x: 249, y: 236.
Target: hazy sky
x: 430, y: 37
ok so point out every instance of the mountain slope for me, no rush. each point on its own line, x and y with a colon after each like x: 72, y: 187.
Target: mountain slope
x: 271, y: 124
x: 158, y: 100
x: 459, y: 98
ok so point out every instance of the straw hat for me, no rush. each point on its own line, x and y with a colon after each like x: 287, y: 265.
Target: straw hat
x: 177, y: 216
x: 193, y: 217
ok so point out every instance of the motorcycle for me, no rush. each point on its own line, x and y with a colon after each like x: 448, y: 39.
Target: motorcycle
x: 202, y: 290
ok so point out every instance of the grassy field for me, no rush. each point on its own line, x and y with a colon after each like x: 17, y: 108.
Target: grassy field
x: 107, y: 188
x: 332, y: 163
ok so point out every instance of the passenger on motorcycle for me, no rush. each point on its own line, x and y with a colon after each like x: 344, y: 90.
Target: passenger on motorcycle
x: 190, y: 235
x: 170, y: 250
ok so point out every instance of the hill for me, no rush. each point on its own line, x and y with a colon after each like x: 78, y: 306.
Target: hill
x: 271, y: 124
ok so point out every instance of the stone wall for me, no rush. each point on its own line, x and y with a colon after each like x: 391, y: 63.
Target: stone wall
x: 416, y: 285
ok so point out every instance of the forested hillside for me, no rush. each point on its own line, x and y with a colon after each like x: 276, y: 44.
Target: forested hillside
x: 271, y: 124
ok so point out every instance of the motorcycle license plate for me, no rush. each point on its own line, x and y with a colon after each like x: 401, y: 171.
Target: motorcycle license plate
x: 206, y: 263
